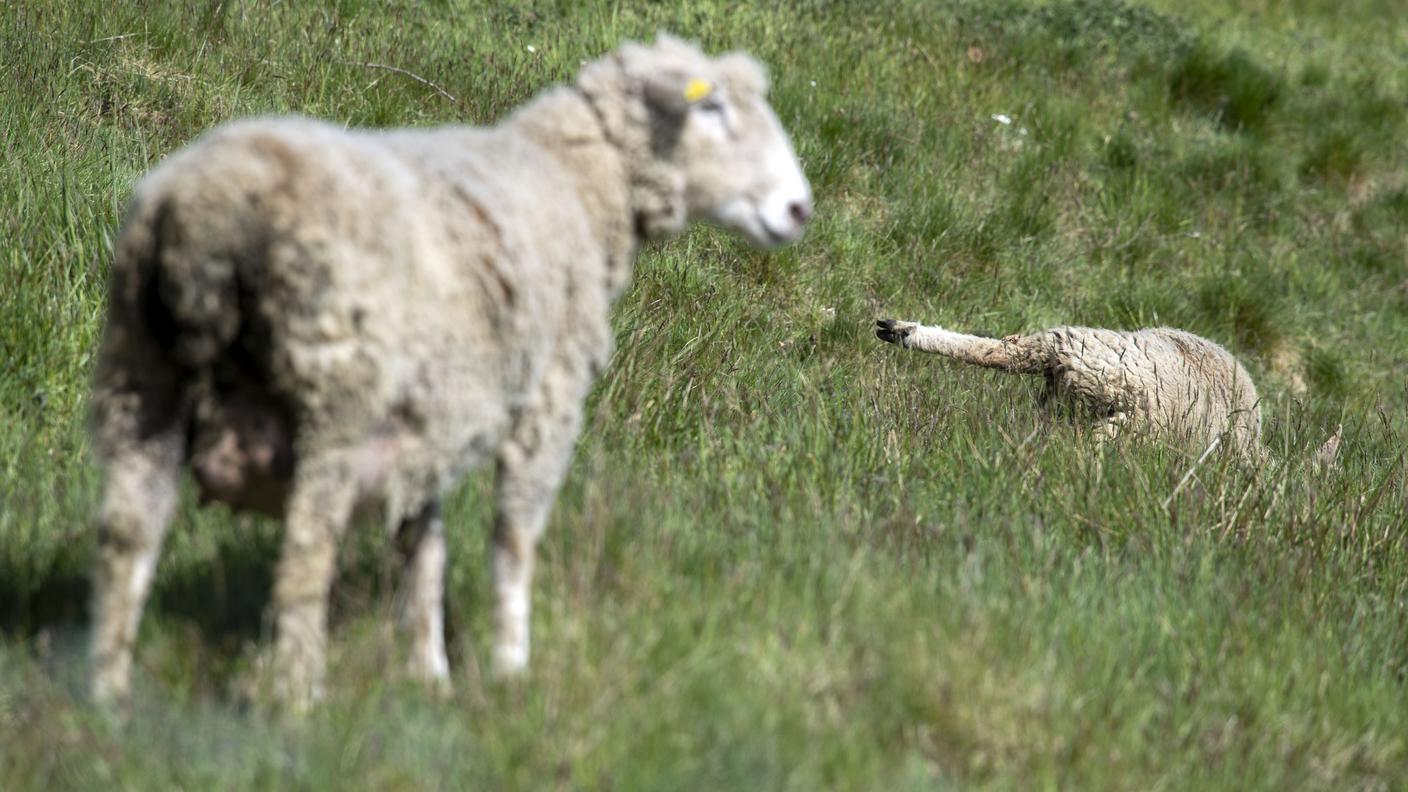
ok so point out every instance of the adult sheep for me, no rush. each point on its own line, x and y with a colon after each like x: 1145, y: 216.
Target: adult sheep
x: 322, y: 322
x: 1157, y: 381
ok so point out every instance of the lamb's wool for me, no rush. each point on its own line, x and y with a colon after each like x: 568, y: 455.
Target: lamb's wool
x: 323, y: 322
x: 1157, y: 381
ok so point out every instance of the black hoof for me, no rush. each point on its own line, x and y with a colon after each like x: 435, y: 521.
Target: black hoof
x: 887, y: 330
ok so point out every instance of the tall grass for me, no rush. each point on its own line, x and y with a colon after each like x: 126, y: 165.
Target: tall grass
x: 786, y: 555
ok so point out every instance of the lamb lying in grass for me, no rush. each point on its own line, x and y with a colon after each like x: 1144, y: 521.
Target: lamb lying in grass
x: 1158, y: 381
x: 322, y: 322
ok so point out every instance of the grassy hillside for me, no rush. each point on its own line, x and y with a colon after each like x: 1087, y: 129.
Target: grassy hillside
x: 789, y: 555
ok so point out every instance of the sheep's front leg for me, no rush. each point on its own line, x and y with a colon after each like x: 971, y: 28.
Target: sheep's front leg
x: 422, y: 540
x: 138, y: 498
x: 531, y: 466
x: 319, y: 506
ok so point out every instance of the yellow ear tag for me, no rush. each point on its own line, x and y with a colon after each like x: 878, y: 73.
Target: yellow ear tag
x: 697, y: 89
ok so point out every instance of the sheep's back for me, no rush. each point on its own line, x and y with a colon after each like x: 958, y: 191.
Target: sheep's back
x: 1203, y: 390
x: 1168, y: 378
x: 422, y: 275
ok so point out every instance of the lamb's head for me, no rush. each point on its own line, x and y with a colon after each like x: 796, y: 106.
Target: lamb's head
x: 702, y: 141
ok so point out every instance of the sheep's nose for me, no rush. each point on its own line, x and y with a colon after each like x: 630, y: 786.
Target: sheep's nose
x: 800, y: 211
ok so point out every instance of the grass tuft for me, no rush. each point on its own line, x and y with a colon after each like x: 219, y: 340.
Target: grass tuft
x: 1231, y: 86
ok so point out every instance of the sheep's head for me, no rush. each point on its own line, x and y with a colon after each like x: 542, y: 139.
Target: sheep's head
x: 712, y: 146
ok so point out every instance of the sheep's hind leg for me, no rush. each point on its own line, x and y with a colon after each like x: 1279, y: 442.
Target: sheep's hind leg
x: 531, y: 467
x: 422, y: 540
x: 139, y: 496
x: 1108, y: 428
x: 319, y: 507
x: 1015, y: 353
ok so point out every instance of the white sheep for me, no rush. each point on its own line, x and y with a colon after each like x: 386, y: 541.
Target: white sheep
x: 1157, y: 381
x: 322, y: 322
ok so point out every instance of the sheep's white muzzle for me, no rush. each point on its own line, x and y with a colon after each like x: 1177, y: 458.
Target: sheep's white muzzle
x: 777, y: 217
x: 784, y: 213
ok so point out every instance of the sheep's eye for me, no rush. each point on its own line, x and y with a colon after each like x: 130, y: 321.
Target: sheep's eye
x: 711, y: 105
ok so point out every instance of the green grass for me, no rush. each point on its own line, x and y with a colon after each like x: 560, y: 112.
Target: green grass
x: 788, y: 555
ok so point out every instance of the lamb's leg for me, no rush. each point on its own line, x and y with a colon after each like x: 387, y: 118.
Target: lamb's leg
x: 531, y: 466
x: 1047, y: 400
x: 422, y: 539
x: 139, y: 496
x: 1019, y: 354
x: 319, y: 506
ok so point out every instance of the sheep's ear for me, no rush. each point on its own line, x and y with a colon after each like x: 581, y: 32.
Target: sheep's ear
x: 743, y: 73
x: 674, y: 92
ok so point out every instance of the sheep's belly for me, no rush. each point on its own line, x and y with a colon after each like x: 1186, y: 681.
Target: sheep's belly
x: 398, y: 469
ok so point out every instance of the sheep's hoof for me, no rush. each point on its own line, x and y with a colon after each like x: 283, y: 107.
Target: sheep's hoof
x: 433, y: 673
x: 510, y: 661
x: 894, y: 331
x: 112, y: 700
x: 263, y: 687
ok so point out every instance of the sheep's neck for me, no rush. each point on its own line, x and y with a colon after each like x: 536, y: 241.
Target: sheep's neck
x: 569, y: 129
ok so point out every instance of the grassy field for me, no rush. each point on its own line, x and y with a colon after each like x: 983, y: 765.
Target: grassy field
x: 789, y: 556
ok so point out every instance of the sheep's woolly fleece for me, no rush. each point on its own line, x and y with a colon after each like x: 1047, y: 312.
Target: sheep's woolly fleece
x: 323, y: 322
x: 1157, y: 381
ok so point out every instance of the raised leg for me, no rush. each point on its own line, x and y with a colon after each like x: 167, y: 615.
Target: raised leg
x: 139, y: 496
x: 1015, y: 353
x: 319, y: 506
x: 422, y: 613
x: 531, y: 466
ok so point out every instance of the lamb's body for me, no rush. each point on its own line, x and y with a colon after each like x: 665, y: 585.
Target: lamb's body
x: 323, y: 322
x: 1157, y: 381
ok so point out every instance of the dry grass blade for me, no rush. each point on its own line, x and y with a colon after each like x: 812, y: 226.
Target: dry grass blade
x: 408, y: 73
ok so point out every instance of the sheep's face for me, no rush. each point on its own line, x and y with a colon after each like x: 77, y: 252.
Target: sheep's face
x: 739, y: 168
x: 728, y: 156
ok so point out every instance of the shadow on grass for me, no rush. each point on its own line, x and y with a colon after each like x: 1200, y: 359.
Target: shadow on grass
x: 29, y: 605
x: 210, y: 598
x: 222, y: 592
